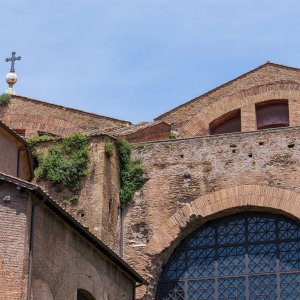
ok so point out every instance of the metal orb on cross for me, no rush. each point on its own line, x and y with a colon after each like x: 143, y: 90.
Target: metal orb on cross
x: 11, y: 77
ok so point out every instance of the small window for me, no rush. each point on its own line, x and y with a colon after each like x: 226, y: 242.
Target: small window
x: 84, y: 295
x: 272, y: 114
x: 227, y: 123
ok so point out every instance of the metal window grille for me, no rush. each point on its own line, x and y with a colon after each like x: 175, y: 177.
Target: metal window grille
x: 246, y: 256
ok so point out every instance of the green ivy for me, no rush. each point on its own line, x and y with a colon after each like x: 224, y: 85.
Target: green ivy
x: 109, y: 149
x: 131, y: 173
x: 34, y: 139
x: 65, y: 162
x: 4, y: 99
x: 172, y: 135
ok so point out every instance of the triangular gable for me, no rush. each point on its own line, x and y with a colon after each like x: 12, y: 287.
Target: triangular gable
x: 264, y: 74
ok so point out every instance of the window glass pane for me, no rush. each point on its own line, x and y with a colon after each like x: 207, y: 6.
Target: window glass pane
x: 246, y: 256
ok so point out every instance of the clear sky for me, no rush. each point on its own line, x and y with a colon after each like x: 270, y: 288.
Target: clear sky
x: 136, y: 59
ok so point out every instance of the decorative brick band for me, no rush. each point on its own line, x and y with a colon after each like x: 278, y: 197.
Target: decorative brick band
x: 199, y: 123
x: 205, y: 207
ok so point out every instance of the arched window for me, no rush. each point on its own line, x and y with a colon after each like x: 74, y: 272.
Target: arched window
x: 272, y: 114
x: 246, y: 256
x: 84, y: 295
x: 227, y: 123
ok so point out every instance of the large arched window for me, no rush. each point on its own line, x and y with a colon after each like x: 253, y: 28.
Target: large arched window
x: 246, y: 256
x: 272, y: 114
x: 84, y: 295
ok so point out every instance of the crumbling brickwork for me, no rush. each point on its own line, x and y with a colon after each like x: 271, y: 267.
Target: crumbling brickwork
x: 190, y: 181
x: 98, y: 203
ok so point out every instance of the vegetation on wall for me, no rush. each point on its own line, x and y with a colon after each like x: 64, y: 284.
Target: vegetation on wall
x: 172, y: 135
x: 131, y: 173
x: 4, y: 99
x: 109, y: 149
x: 65, y: 162
x: 34, y: 139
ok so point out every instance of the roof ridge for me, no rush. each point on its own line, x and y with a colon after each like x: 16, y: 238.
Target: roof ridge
x: 70, y: 109
x: 268, y: 63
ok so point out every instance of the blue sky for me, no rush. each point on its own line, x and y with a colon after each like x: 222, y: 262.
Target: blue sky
x: 136, y: 59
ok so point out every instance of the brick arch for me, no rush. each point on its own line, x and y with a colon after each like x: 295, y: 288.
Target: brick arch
x: 199, y: 123
x: 210, y: 205
x: 79, y: 273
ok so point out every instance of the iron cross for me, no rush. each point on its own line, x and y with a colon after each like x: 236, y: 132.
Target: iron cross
x: 13, y: 59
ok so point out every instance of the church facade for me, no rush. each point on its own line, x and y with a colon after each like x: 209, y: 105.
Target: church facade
x: 218, y: 214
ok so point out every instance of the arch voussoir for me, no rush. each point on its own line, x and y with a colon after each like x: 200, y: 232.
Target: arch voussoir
x: 208, y: 205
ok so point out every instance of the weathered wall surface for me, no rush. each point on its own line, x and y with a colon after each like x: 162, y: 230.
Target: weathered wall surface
x: 14, y: 240
x: 98, y: 204
x: 63, y: 261
x: 265, y: 83
x: 34, y: 116
x: 192, y: 180
x: 9, y: 157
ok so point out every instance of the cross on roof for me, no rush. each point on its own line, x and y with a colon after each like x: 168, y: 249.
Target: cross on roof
x: 13, y: 59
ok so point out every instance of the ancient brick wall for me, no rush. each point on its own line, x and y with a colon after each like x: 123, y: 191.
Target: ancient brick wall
x: 34, y: 116
x: 265, y: 83
x: 9, y: 157
x: 63, y: 261
x: 156, y: 132
x: 14, y: 240
x: 98, y: 204
x: 191, y: 181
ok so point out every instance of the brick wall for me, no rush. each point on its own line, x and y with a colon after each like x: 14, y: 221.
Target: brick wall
x: 9, y: 157
x: 63, y: 261
x: 98, y: 204
x: 190, y: 181
x: 14, y: 238
x: 156, y: 132
x: 34, y: 116
x: 265, y: 83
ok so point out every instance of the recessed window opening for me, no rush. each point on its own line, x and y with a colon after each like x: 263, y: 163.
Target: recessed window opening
x: 84, y: 295
x: 227, y: 123
x: 272, y: 114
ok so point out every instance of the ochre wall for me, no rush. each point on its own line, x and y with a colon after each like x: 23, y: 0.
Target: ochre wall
x: 190, y: 181
x: 63, y: 261
x: 14, y: 241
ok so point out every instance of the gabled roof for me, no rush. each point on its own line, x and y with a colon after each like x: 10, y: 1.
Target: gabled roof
x: 160, y: 117
x: 21, y: 143
x: 54, y: 206
x: 70, y: 109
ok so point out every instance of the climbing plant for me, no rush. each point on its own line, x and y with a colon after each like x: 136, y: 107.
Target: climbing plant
x: 109, y: 149
x: 65, y: 162
x: 4, y: 99
x: 131, y: 173
x: 34, y: 139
